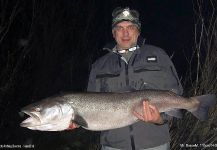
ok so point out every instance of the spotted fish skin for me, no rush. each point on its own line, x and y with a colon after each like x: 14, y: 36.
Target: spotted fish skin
x: 104, y: 111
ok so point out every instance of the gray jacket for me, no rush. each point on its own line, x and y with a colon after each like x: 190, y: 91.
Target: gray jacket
x: 149, y: 67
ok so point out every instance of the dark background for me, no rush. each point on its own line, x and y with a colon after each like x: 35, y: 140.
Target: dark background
x: 61, y: 39
x: 47, y: 47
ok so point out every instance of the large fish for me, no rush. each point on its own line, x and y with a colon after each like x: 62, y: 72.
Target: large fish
x: 104, y: 111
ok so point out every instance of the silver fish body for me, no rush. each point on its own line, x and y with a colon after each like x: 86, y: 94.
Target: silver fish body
x: 104, y: 111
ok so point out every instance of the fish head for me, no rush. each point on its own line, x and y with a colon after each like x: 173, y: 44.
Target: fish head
x: 48, y: 116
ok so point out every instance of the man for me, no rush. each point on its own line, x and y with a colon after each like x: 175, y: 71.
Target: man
x: 132, y: 64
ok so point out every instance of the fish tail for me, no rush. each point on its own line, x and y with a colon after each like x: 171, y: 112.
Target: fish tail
x: 202, y: 109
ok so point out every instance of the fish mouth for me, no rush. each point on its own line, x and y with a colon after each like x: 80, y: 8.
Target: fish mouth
x: 32, y: 120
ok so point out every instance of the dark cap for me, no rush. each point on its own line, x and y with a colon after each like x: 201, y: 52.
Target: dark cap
x: 125, y: 14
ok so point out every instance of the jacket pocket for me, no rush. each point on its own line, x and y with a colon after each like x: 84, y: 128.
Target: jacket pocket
x: 146, y: 68
x: 106, y: 75
x: 108, y: 82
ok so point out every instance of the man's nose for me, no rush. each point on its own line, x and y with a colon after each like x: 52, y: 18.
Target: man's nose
x: 125, y: 32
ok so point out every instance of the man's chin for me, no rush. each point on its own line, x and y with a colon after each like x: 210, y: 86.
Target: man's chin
x: 125, y: 46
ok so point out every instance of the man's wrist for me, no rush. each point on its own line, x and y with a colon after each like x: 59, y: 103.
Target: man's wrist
x: 163, y: 119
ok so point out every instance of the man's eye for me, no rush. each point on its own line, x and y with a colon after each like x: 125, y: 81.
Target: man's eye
x: 131, y: 27
x: 118, y: 28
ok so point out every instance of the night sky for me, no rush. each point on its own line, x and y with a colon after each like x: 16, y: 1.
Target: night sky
x: 49, y: 46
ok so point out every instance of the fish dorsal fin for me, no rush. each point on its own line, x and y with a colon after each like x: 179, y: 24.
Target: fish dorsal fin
x: 175, y: 113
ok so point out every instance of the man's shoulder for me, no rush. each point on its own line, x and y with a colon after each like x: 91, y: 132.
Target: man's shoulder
x: 152, y: 48
x: 101, y: 60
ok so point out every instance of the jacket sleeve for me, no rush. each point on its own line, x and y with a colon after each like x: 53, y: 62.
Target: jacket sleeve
x: 176, y: 87
x: 91, y: 87
x: 179, y: 89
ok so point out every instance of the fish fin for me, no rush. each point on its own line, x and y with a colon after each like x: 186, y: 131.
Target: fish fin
x: 175, y: 113
x: 79, y: 120
x: 205, y: 102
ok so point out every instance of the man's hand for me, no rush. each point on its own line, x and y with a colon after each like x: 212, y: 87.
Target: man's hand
x: 73, y: 126
x: 150, y: 114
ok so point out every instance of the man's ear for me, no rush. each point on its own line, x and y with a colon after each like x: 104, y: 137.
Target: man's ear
x: 113, y: 33
x: 138, y: 35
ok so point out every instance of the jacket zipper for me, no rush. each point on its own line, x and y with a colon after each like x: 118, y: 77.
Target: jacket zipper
x: 130, y: 127
x: 126, y: 75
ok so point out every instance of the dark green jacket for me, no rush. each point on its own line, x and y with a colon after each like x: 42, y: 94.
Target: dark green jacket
x: 149, y: 67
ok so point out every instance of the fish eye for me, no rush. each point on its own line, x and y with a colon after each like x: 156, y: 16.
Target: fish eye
x: 37, y: 109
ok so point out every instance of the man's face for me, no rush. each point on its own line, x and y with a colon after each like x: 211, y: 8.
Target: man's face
x: 125, y: 34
